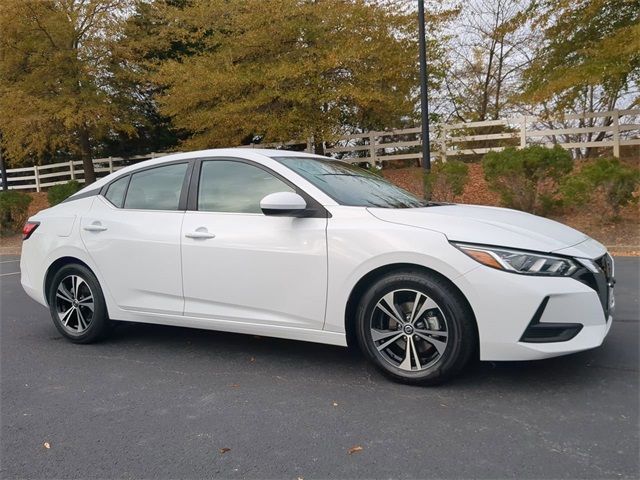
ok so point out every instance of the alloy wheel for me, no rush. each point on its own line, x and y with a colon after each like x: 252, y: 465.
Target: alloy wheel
x: 409, y: 330
x: 74, y: 304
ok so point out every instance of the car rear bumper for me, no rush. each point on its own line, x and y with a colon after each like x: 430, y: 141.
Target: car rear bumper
x: 32, y: 267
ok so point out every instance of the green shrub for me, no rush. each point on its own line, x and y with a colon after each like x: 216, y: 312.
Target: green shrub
x: 527, y: 179
x: 59, y: 193
x: 446, y: 180
x: 603, y: 184
x: 14, y: 211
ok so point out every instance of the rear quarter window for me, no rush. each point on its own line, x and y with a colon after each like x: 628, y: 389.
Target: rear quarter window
x: 116, y: 191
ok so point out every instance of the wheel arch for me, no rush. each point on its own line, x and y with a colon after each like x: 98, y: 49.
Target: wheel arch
x: 365, y: 281
x: 57, y: 265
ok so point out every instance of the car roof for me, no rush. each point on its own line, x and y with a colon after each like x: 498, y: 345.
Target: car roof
x: 240, y: 152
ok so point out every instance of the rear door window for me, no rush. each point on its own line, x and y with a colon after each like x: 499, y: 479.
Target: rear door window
x: 157, y: 188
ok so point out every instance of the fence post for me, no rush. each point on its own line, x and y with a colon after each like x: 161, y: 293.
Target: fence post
x: 72, y: 170
x: 372, y: 147
x: 443, y: 142
x: 523, y: 131
x: 110, y: 164
x: 616, y: 133
x: 37, y: 177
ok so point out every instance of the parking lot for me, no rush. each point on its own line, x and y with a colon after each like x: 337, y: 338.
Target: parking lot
x: 167, y: 402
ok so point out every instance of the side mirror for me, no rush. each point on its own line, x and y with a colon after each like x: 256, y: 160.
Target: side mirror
x: 285, y: 204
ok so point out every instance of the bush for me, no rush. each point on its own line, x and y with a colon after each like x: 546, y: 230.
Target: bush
x: 446, y: 180
x: 59, y: 193
x: 602, y: 179
x: 14, y: 211
x: 527, y: 179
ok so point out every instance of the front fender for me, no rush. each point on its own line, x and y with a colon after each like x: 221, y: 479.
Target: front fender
x: 359, y: 244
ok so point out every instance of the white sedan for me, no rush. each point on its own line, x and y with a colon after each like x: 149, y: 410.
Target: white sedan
x: 305, y: 247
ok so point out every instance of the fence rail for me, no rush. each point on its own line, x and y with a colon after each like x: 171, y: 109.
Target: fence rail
x: 575, y: 132
x: 40, y: 176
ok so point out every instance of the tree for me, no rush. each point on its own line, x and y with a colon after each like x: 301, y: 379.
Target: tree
x: 487, y: 57
x: 57, y: 95
x: 589, y: 56
x: 282, y: 69
x: 144, y: 42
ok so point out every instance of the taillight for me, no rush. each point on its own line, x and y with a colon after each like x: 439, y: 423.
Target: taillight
x: 28, y: 229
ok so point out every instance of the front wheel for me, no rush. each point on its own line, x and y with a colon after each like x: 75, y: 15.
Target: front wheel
x: 77, y: 305
x: 415, y: 327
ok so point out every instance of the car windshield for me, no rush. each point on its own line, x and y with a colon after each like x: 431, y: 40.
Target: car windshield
x: 351, y: 185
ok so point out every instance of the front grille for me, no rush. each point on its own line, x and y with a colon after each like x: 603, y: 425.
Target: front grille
x: 602, y: 281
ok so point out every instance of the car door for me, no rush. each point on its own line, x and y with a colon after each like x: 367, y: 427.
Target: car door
x: 243, y: 266
x: 132, y: 233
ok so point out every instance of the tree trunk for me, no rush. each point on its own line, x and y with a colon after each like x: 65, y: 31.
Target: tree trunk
x: 485, y: 90
x: 499, y: 80
x: 3, y: 172
x: 318, y: 143
x: 87, y: 162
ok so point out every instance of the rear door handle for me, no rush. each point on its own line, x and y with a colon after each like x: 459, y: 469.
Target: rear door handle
x: 95, y: 227
x: 200, y: 233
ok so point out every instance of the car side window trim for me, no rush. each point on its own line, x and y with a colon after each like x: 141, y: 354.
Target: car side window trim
x: 182, y: 202
x: 316, y: 210
x: 89, y: 193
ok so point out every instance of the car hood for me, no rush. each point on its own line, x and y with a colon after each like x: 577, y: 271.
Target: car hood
x: 487, y: 225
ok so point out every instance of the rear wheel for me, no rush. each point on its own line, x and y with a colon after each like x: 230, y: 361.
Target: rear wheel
x: 416, y: 328
x: 77, y: 305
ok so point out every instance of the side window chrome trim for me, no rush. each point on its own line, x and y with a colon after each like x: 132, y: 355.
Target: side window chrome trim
x: 89, y: 193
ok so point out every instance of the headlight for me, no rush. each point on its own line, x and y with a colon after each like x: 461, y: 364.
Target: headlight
x: 518, y: 261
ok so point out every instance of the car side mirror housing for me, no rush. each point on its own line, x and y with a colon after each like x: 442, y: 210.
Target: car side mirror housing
x: 284, y: 204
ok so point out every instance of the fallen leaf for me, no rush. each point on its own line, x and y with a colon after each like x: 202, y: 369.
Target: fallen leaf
x: 335, y: 404
x: 46, y: 445
x: 355, y: 449
x: 234, y: 385
x: 224, y: 450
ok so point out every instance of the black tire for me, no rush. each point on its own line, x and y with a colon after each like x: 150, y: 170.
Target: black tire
x: 444, y: 355
x: 89, y: 326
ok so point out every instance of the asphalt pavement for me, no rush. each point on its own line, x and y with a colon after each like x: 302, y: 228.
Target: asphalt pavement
x: 167, y: 402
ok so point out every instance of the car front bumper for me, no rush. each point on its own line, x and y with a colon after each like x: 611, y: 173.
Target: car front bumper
x: 507, y: 304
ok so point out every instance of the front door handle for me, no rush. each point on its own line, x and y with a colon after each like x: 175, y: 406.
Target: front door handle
x: 95, y: 227
x: 200, y: 233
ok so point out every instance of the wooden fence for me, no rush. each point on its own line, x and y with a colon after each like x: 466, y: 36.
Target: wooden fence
x: 618, y: 128
x: 39, y: 177
x: 578, y: 133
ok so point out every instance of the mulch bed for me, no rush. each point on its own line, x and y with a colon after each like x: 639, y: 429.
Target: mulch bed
x: 39, y: 202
